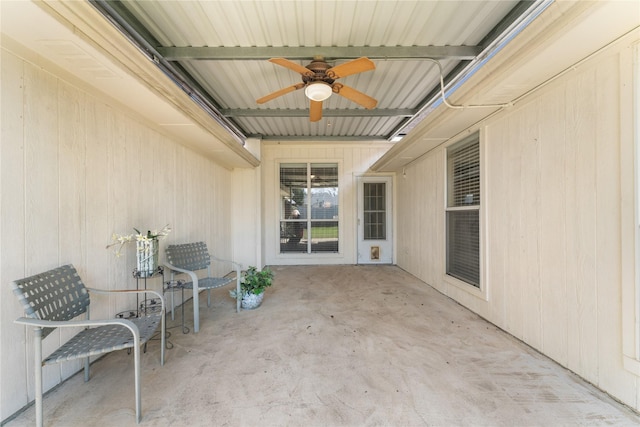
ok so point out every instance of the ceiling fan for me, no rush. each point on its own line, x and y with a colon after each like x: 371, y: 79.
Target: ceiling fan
x: 319, y: 81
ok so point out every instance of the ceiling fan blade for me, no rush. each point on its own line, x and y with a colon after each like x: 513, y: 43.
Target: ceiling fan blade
x: 280, y: 93
x: 291, y: 65
x: 352, y: 67
x: 356, y: 96
x: 315, y: 111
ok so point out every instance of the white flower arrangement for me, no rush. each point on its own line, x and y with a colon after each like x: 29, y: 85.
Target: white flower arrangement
x: 119, y: 240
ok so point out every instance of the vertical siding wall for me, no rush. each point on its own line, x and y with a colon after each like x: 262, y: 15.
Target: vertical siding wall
x: 353, y: 159
x: 73, y: 171
x: 552, y: 212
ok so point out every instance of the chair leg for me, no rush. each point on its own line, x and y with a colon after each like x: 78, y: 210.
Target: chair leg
x: 238, y: 293
x: 38, y: 374
x: 164, y: 337
x: 171, y: 283
x: 172, y: 306
x: 86, y: 369
x: 136, y: 364
x: 196, y: 311
x: 208, y: 297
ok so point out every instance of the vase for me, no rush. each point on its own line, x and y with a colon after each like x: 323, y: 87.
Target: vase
x: 251, y: 301
x: 147, y: 257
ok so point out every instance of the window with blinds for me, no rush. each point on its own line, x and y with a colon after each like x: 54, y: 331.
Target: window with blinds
x: 309, y: 208
x: 463, y: 210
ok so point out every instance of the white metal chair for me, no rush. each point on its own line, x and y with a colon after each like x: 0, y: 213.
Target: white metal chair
x: 53, y: 299
x: 189, y: 258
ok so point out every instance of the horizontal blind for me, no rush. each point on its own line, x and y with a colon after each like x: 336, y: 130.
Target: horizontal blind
x: 464, y: 174
x: 463, y: 214
x: 463, y: 245
x: 309, y: 206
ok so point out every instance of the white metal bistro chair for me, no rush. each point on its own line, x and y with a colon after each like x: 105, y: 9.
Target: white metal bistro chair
x: 192, y: 258
x: 53, y: 299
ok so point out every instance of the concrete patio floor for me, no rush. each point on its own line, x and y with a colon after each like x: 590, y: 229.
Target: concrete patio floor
x: 335, y: 346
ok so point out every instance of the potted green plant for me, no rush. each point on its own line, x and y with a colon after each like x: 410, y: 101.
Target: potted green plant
x: 252, y: 286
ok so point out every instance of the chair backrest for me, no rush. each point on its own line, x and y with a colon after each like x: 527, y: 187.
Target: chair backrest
x: 190, y: 256
x: 57, y: 294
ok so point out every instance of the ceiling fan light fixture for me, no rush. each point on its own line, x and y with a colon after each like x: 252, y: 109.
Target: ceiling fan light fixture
x: 318, y: 91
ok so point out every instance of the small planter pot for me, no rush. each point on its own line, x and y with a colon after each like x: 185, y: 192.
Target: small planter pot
x: 251, y: 301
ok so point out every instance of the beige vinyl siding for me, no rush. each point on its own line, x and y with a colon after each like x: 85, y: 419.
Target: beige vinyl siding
x: 75, y: 169
x: 552, y: 220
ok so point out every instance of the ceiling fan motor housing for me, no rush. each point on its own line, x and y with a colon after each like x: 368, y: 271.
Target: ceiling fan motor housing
x: 319, y: 69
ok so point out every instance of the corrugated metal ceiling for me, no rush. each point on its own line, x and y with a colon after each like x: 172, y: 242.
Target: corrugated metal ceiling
x: 220, y: 50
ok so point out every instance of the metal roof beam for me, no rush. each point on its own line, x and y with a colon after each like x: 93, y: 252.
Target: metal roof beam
x: 305, y: 53
x: 376, y: 112
x: 316, y: 138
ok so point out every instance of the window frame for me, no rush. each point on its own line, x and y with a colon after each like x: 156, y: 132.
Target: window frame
x: 367, y: 235
x: 480, y: 291
x: 309, y: 220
